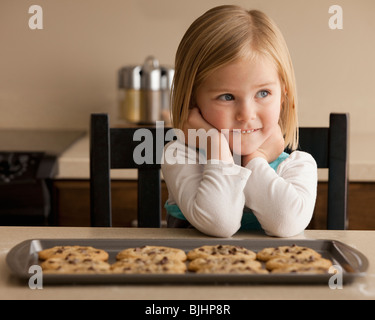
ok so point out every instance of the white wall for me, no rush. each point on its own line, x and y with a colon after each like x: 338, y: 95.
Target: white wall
x: 56, y: 77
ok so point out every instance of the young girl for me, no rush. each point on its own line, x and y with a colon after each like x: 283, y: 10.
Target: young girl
x: 234, y: 75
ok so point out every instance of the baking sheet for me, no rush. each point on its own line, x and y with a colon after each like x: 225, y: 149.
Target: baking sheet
x: 353, y: 263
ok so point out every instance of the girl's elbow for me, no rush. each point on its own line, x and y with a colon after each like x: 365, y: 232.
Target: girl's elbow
x: 228, y: 225
x: 222, y: 233
x: 221, y: 229
x: 291, y: 224
x: 285, y: 232
x: 216, y: 222
x: 226, y: 232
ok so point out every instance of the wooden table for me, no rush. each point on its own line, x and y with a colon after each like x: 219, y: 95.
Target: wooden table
x: 11, y: 288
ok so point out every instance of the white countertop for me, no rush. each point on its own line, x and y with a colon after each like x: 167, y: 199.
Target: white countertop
x: 74, y: 163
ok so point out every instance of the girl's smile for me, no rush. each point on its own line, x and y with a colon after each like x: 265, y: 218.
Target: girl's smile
x: 245, y: 131
x: 242, y: 97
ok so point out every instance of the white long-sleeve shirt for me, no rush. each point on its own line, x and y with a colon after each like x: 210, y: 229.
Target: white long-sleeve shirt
x: 212, y: 194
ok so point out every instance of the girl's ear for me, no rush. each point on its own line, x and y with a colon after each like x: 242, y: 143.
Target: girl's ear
x: 284, y: 96
x: 193, y: 104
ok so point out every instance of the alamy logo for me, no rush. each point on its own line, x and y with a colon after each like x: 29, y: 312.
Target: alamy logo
x: 144, y: 152
x: 36, y: 20
x: 36, y: 280
x: 336, y: 21
x: 336, y: 280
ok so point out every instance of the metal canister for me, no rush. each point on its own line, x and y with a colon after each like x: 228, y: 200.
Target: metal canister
x: 130, y: 94
x: 167, y: 74
x: 150, y: 91
x: 145, y: 92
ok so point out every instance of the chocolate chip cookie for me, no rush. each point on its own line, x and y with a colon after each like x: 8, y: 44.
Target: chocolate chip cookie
x: 279, y: 263
x: 222, y: 263
x: 154, y: 265
x: 293, y: 251
x: 78, y: 252
x: 221, y: 251
x: 74, y: 266
x: 227, y: 269
x: 300, y: 270
x: 151, y: 252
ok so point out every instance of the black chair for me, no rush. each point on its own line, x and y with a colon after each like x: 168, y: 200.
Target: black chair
x: 330, y: 148
x: 112, y: 148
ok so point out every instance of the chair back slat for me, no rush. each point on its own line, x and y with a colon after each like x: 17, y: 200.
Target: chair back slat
x: 315, y: 142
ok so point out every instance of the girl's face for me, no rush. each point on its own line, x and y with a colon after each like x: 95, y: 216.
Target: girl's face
x: 244, y: 95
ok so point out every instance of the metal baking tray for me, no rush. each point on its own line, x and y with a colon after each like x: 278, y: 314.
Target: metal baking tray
x: 24, y: 255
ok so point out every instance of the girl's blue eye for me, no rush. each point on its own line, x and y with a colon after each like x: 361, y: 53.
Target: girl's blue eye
x: 226, y: 97
x: 262, y: 94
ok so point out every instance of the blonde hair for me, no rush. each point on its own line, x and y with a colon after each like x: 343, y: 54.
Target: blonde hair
x: 221, y: 36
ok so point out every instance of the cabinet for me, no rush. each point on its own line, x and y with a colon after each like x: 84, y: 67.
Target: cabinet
x: 71, y: 204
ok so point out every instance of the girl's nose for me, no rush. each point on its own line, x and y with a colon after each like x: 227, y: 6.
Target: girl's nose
x: 246, y: 111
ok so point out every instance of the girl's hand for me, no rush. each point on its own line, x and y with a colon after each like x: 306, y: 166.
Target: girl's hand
x: 209, y: 139
x: 195, y: 121
x: 270, y: 149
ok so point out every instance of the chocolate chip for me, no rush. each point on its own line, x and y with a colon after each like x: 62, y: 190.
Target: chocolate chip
x: 163, y: 261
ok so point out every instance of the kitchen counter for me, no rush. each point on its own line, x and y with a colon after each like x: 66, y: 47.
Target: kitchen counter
x: 11, y: 288
x: 74, y: 163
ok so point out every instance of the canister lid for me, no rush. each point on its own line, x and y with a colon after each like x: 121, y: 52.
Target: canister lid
x: 151, y: 74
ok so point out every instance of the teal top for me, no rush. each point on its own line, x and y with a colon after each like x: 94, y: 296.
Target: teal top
x: 249, y: 220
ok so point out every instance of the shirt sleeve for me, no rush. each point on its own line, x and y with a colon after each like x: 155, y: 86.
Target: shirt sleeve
x: 283, y: 201
x: 210, y: 195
